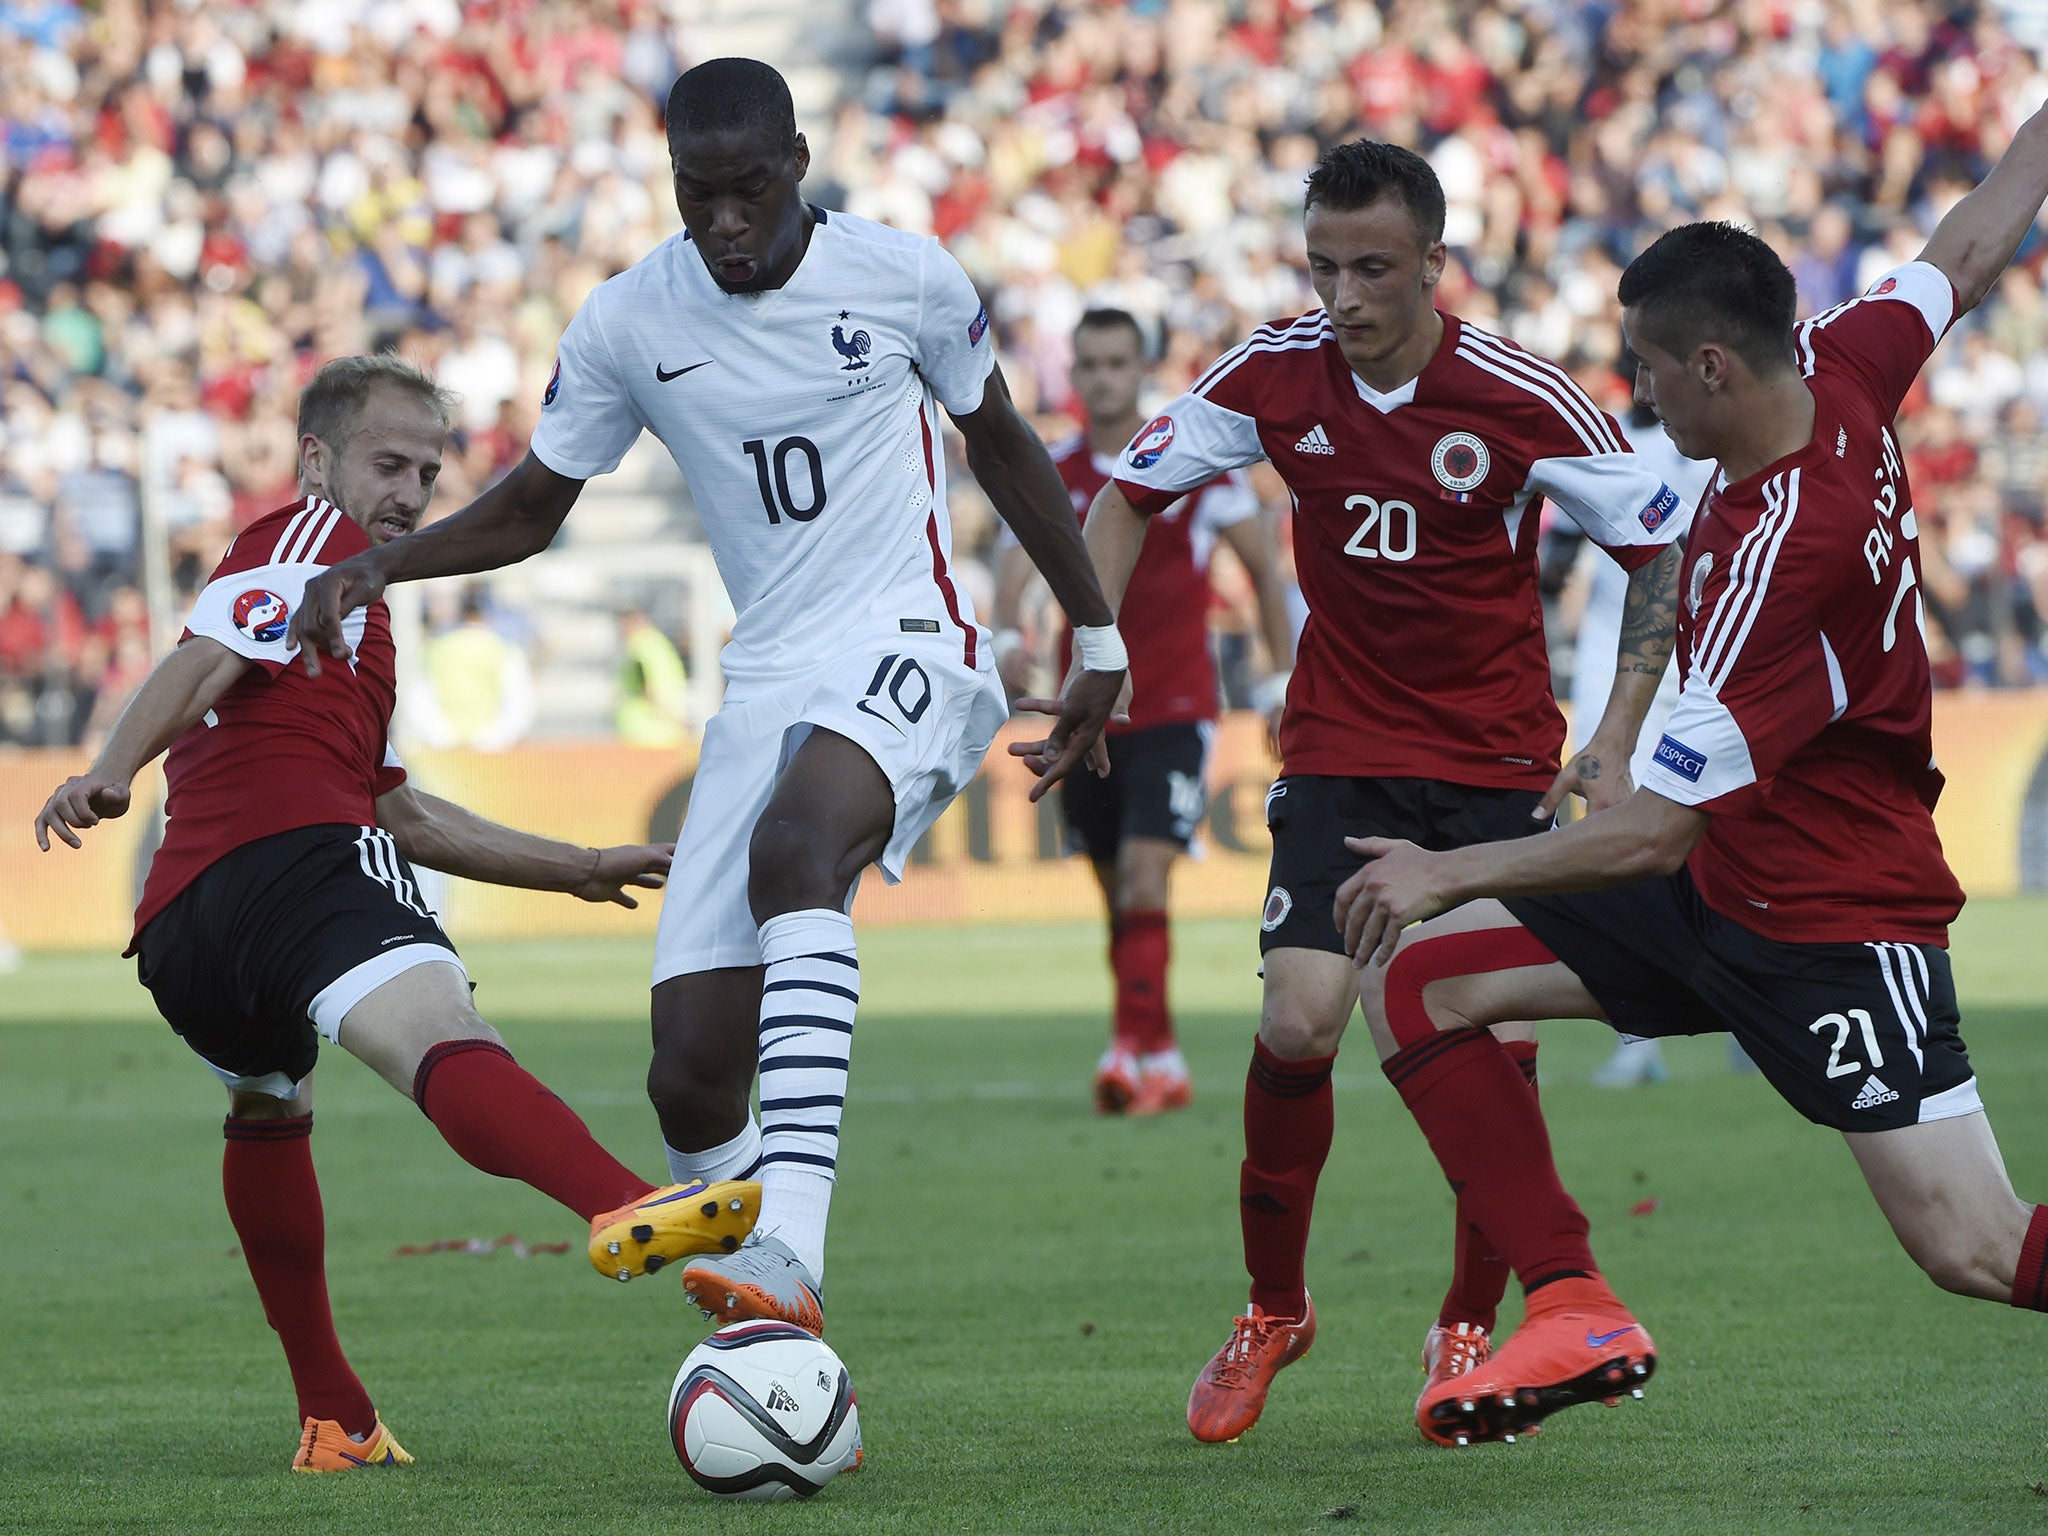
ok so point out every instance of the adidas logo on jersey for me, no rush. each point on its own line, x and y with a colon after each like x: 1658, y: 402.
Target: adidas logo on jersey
x: 1315, y: 440
x: 1873, y: 1093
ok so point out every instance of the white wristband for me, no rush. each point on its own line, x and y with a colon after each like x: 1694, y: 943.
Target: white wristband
x: 1270, y: 692
x: 1100, y: 648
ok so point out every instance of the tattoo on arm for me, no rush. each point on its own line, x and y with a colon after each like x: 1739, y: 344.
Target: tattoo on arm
x: 1649, y: 614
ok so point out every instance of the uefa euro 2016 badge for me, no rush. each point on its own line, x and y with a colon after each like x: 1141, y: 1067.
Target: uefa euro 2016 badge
x: 554, y: 388
x: 261, y: 615
x: 1702, y: 568
x: 1153, y: 439
x: 1459, y: 461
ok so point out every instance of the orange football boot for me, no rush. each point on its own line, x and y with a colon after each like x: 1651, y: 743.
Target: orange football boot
x: 326, y: 1447
x: 1116, y: 1081
x: 1578, y: 1344
x: 1452, y: 1352
x: 1230, y: 1394
x: 1163, y: 1085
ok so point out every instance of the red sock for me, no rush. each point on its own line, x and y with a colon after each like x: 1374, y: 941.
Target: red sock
x: 1139, y: 947
x: 1479, y: 1275
x: 274, y: 1202
x: 2030, y: 1280
x: 1483, y: 1124
x: 503, y: 1119
x: 1289, y: 1117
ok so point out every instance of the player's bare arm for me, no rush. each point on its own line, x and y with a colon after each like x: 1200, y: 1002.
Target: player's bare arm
x: 1113, y: 537
x: 516, y: 518
x: 1977, y: 238
x: 1401, y: 884
x: 441, y: 835
x: 172, y: 699
x: 1649, y: 628
x: 1013, y: 467
x: 1250, y: 541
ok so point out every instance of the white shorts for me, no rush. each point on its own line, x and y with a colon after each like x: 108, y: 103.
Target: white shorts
x: 911, y: 702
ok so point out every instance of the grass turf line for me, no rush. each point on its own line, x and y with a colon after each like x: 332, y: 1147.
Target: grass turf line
x: 1022, y: 1292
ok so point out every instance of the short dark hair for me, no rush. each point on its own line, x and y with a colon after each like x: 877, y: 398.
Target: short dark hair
x: 333, y: 399
x: 1106, y: 318
x: 1359, y: 174
x: 1714, y: 282
x: 729, y: 96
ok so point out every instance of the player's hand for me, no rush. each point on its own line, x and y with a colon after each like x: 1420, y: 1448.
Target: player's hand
x: 1090, y: 701
x: 331, y: 597
x: 1398, y: 885
x: 1273, y: 731
x: 639, y: 865
x: 85, y: 800
x: 1598, y: 775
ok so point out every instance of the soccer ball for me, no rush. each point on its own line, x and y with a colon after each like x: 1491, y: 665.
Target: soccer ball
x: 763, y: 1410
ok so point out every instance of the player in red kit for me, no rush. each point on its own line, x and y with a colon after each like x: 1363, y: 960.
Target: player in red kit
x: 1134, y: 823
x: 1778, y: 874
x: 1419, y: 451
x: 283, y: 908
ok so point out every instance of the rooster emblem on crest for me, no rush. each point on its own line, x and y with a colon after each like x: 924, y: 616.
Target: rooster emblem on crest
x: 853, y: 348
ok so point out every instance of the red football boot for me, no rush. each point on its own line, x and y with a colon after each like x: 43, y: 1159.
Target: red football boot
x: 1578, y: 1344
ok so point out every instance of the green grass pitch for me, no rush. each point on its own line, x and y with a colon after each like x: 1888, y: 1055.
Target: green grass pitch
x: 1022, y: 1291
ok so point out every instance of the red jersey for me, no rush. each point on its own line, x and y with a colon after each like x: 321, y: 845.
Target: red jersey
x: 1164, y: 617
x: 1415, y: 526
x: 1805, y: 724
x: 281, y: 749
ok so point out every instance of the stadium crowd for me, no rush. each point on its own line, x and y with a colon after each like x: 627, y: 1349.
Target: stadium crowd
x: 200, y: 202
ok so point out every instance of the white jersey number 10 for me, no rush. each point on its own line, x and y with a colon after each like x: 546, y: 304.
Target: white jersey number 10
x: 776, y: 496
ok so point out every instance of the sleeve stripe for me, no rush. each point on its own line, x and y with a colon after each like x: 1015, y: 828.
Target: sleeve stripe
x: 1571, y: 401
x: 1578, y: 428
x: 291, y: 531
x: 314, y: 535
x: 1308, y: 331
x: 1819, y: 322
x: 1749, y: 580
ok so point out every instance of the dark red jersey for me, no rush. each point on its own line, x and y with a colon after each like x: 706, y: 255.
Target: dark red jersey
x: 281, y: 749
x: 1415, y: 522
x: 1805, y: 722
x: 1164, y: 618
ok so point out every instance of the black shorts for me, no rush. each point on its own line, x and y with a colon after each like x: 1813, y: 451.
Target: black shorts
x: 1310, y: 815
x: 1156, y: 787
x: 1860, y: 1037
x: 280, y: 938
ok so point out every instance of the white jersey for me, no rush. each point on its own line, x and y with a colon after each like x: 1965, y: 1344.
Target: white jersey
x: 803, y: 419
x: 1600, y: 628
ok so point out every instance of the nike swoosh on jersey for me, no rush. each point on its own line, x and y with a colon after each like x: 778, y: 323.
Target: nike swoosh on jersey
x: 663, y: 377
x: 1602, y: 1340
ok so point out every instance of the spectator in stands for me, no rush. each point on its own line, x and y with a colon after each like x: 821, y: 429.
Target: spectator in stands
x: 654, y: 686
x: 200, y: 203
x: 475, y: 687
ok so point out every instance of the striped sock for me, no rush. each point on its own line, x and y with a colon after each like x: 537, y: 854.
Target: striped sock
x: 808, y: 997
x: 739, y: 1158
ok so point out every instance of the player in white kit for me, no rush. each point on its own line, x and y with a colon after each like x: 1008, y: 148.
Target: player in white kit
x: 793, y: 361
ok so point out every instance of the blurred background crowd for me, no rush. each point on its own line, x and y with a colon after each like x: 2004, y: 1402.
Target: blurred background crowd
x: 200, y: 200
